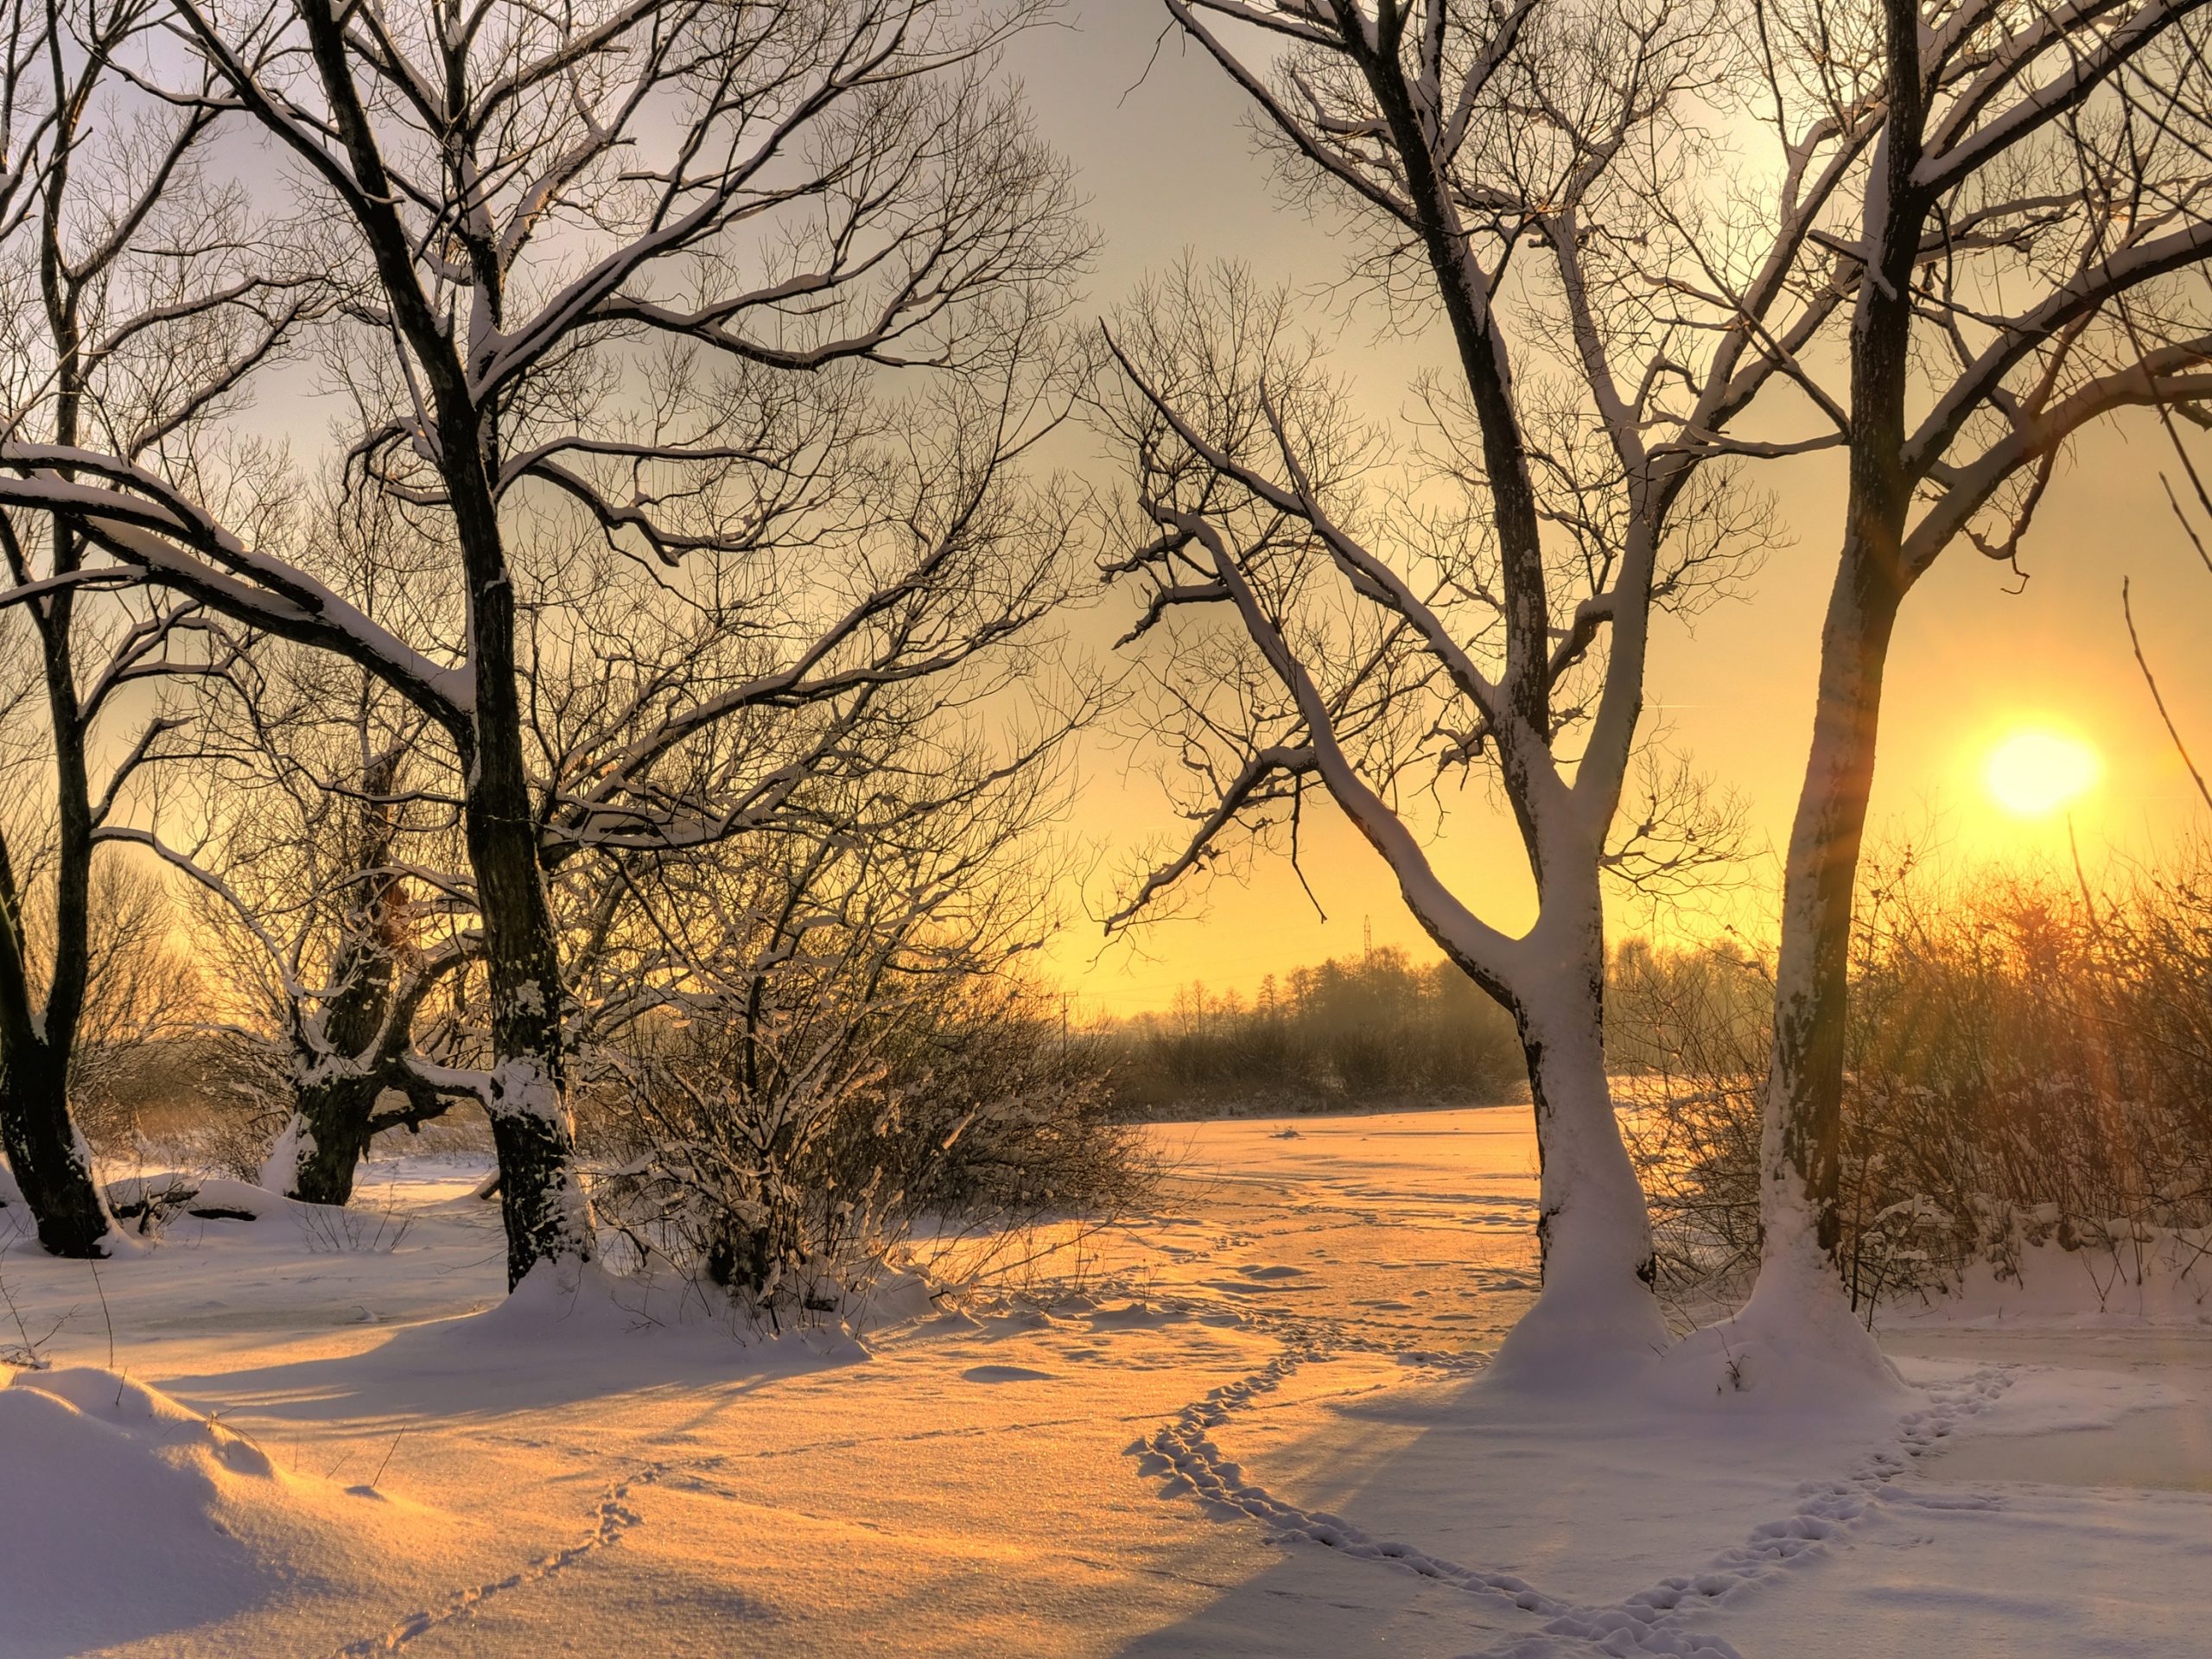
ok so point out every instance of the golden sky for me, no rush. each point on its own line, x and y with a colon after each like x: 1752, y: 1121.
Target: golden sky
x: 1168, y: 165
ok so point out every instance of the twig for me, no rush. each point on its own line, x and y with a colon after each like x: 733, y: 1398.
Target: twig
x: 2128, y: 611
x: 107, y: 1319
x: 378, y: 1478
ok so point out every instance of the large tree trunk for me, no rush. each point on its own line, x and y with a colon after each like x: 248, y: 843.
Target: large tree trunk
x: 541, y: 1200
x: 1596, y: 1313
x: 51, y: 1162
x: 1798, y: 1318
x: 48, y: 1156
x: 39, y: 1035
x: 328, y: 1136
x: 548, y: 1216
x: 1802, y: 1132
x: 1797, y: 1336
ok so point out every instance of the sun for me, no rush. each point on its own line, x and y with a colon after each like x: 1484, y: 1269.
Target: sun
x: 2035, y: 772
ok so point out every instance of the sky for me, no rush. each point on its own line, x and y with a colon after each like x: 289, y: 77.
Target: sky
x: 1169, y: 165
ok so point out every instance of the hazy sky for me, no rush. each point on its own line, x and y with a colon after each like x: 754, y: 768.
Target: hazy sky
x: 1169, y: 165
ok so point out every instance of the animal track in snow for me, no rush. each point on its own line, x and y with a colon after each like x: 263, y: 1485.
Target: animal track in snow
x: 612, y: 1518
x: 1183, y: 1455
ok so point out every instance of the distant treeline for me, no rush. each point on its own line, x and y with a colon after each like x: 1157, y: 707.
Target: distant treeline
x: 1370, y: 1030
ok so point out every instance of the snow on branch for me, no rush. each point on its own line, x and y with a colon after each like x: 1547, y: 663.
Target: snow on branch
x: 1958, y: 147
x: 145, y: 523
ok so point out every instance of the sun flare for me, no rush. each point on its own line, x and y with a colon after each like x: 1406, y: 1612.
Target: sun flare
x: 2035, y: 772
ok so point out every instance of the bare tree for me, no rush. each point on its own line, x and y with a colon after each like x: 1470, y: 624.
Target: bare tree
x: 2038, y: 179
x: 633, y: 265
x: 1540, y: 177
x: 323, y: 872
x: 132, y: 320
x: 330, y: 855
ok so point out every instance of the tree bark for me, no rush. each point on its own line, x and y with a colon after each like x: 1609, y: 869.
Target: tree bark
x: 1802, y: 1125
x: 46, y: 1154
x: 1593, y: 1228
x: 1802, y: 1132
x: 541, y: 1201
x: 335, y: 1088
x: 38, y: 1035
x: 329, y: 1135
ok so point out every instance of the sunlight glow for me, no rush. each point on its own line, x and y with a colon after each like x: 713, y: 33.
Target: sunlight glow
x: 2035, y: 772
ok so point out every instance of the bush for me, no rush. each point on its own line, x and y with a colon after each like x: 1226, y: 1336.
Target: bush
x: 2029, y: 1062
x: 781, y: 1156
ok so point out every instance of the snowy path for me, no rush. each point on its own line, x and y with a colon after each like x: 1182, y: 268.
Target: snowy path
x: 1256, y: 1424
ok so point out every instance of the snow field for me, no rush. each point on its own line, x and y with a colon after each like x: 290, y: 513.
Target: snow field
x: 1256, y: 1421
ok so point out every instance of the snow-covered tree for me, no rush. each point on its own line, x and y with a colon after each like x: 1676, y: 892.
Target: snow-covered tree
x: 323, y: 874
x: 639, y: 265
x: 2023, y: 255
x: 1543, y: 177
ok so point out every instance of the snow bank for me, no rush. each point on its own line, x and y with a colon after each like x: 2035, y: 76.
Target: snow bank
x: 571, y: 1331
x: 2164, y: 1280
x: 128, y: 1514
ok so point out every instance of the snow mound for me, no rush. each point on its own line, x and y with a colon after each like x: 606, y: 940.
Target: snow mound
x: 129, y: 1514
x: 2162, y: 1279
x: 600, y: 1332
x: 213, y: 1196
x: 1589, y: 1338
x: 1137, y: 1316
x: 1791, y: 1348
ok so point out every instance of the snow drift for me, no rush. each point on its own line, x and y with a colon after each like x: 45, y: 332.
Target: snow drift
x: 128, y: 1514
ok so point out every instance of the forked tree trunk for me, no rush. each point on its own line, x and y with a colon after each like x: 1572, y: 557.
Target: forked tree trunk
x: 334, y: 1121
x: 328, y: 1136
x: 334, y: 1109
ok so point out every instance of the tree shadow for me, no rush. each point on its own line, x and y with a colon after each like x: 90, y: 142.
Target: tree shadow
x: 538, y: 1350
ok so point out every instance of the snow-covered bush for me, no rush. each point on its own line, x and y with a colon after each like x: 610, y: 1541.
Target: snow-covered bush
x: 794, y: 1044
x: 781, y: 1152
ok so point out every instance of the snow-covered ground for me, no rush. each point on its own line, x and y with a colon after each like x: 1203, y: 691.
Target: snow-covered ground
x: 1253, y: 1422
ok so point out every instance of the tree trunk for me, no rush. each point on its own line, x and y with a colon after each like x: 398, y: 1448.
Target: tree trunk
x: 1797, y: 1335
x: 1803, y: 1133
x: 50, y: 1160
x: 541, y: 1201
x: 332, y: 1110
x: 1798, y: 1302
x: 48, y: 1157
x: 1597, y: 1311
x: 328, y: 1137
